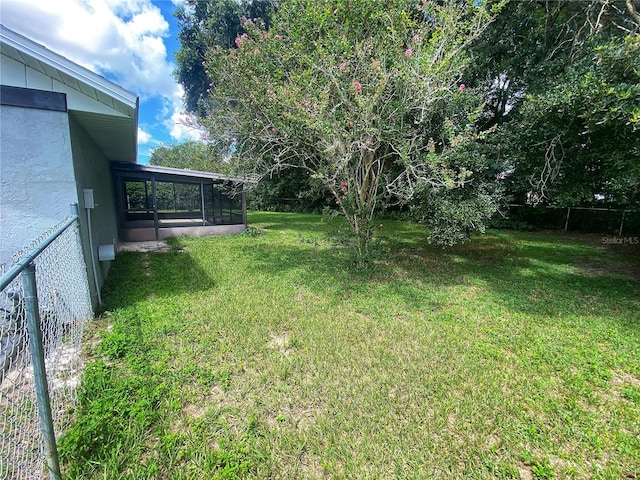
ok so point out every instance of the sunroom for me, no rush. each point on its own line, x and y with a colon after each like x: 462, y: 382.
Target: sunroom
x: 155, y: 203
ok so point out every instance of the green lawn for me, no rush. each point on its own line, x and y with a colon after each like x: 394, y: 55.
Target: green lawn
x: 270, y: 356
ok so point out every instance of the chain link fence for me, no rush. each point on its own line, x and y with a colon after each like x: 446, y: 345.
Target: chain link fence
x: 64, y: 306
x: 572, y: 219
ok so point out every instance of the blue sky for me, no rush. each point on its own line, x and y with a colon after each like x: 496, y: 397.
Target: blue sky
x: 130, y: 42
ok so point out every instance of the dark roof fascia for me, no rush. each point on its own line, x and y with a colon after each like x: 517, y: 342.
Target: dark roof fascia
x: 32, y: 98
x: 175, y: 174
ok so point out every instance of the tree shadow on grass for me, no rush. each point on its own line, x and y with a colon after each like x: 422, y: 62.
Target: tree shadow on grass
x: 544, y: 273
x: 136, y: 276
x: 551, y: 275
x: 301, y: 223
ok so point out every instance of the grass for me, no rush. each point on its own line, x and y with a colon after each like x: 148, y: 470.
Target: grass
x: 267, y: 355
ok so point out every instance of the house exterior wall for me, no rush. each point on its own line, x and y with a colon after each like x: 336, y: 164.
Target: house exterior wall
x: 92, y: 171
x: 60, y: 126
x: 37, y: 183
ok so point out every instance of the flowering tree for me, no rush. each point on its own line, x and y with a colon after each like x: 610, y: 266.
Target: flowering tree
x: 365, y: 95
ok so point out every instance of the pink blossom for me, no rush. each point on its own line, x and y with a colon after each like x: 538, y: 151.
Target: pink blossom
x: 278, y: 36
x: 251, y: 95
x: 342, y: 66
x: 343, y: 186
x: 256, y: 51
x: 315, y: 105
x: 462, y: 87
x: 335, y: 11
x: 208, y: 90
x: 416, y: 37
x: 238, y: 41
x: 358, y: 86
x: 408, y: 52
x: 244, y: 35
x: 204, y: 63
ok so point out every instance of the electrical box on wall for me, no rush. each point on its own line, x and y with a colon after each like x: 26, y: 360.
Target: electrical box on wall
x: 88, y: 198
x: 106, y: 253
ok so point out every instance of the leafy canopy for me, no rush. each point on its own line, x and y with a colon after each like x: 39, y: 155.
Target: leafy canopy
x: 562, y: 80
x: 203, y: 25
x: 191, y: 155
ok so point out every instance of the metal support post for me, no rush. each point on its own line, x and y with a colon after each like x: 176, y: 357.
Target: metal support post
x: 244, y: 206
x: 202, y: 205
x: 154, y: 201
x: 39, y: 371
x: 622, y: 223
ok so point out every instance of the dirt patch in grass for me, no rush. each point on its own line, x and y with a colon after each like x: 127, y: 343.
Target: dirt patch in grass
x: 281, y: 343
x: 623, y: 378
x: 606, y: 268
x: 298, y: 417
x: 626, y: 265
x: 526, y: 473
x: 310, y: 466
x: 145, y: 265
x: 193, y: 410
x: 198, y: 409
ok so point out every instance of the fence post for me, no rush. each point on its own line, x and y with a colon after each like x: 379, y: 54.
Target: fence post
x: 622, y: 223
x: 39, y: 372
x: 566, y: 223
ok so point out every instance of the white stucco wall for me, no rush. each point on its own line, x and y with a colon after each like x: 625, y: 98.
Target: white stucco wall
x: 37, y: 183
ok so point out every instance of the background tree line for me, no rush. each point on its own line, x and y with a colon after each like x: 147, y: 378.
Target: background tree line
x: 546, y: 109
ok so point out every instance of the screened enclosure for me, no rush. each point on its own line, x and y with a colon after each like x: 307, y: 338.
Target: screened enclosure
x: 159, y: 202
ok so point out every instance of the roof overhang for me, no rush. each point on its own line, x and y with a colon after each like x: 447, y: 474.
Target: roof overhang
x: 107, y: 112
x: 142, y: 172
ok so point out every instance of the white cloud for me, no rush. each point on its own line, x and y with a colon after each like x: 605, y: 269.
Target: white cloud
x: 181, y: 125
x: 122, y: 38
x: 183, y: 128
x: 143, y: 137
x: 119, y: 39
